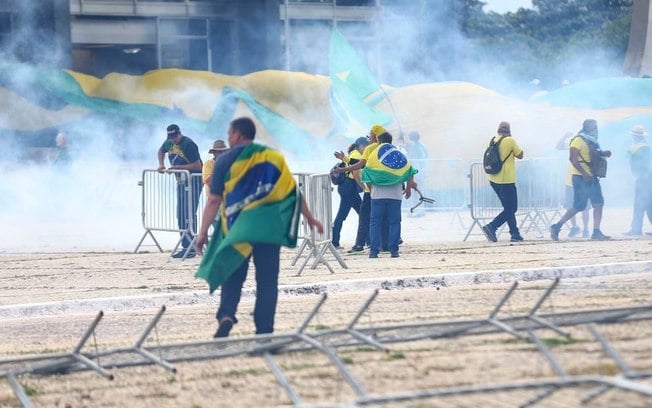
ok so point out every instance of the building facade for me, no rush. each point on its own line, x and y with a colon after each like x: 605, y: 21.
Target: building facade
x: 227, y: 36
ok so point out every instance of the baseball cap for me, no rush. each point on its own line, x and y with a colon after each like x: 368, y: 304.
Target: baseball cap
x: 362, y: 141
x: 173, y: 131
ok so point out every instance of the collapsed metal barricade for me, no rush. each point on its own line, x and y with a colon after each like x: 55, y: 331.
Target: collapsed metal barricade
x: 316, y: 189
x: 378, y: 337
x: 167, y: 204
x: 539, y: 195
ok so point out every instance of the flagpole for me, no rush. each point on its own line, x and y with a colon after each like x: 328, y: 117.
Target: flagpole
x: 391, y: 106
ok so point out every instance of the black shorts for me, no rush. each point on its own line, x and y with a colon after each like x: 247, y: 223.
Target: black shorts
x: 583, y: 191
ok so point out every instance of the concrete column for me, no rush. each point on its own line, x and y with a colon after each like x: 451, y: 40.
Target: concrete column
x: 259, y: 34
x: 638, y: 60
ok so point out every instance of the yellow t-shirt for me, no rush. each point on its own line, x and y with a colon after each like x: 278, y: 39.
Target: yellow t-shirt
x: 365, y: 156
x: 355, y: 154
x: 578, y: 143
x: 207, y: 172
x: 368, y: 150
x: 506, y: 175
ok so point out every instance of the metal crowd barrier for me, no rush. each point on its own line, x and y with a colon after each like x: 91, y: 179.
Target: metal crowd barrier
x: 442, y: 180
x: 540, y: 195
x: 161, y: 210
x: 526, y: 326
x: 317, y: 190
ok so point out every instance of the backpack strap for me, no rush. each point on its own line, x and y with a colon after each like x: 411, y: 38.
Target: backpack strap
x: 498, y: 147
x: 579, y: 152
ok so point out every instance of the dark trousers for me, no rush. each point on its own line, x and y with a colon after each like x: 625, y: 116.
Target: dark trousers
x: 183, y: 217
x: 385, y: 209
x: 362, y: 237
x: 266, y: 262
x: 642, y: 203
x: 349, y: 199
x: 509, y: 200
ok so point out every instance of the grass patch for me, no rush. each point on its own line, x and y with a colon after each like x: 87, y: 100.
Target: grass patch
x: 560, y: 341
x: 347, y: 359
x: 395, y: 355
x: 246, y: 371
x: 30, y: 391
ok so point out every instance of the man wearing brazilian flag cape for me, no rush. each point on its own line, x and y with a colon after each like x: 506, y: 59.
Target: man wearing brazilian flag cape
x: 259, y: 205
x: 391, y: 176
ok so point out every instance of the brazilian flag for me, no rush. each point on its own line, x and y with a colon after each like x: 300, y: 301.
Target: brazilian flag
x: 261, y: 203
x: 387, y: 166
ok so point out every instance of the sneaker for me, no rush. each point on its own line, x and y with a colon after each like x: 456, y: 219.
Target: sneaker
x: 395, y: 254
x: 585, y: 234
x: 517, y: 238
x: 574, y: 231
x: 355, y: 249
x: 631, y: 233
x: 489, y: 233
x: 224, y: 328
x: 554, y: 232
x: 190, y: 253
x: 373, y: 255
x: 599, y: 236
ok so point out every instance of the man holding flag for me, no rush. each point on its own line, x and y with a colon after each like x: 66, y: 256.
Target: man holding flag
x: 260, y: 206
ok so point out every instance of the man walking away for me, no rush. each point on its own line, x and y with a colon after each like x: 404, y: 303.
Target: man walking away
x: 586, y: 186
x: 504, y: 184
x: 260, y: 206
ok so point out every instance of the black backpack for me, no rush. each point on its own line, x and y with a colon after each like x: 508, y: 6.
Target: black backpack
x: 597, y: 164
x: 491, y: 160
x: 338, y: 178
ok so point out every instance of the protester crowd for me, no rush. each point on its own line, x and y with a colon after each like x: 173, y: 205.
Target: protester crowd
x: 253, y: 197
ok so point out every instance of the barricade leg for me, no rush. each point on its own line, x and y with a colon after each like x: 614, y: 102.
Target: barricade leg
x: 148, y: 231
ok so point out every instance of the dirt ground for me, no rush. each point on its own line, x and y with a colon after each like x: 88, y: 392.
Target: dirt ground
x: 42, y: 279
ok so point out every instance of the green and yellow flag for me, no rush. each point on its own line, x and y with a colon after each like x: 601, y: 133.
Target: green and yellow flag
x: 261, y: 203
x: 387, y: 166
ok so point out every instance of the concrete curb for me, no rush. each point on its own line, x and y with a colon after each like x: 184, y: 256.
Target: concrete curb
x: 131, y: 303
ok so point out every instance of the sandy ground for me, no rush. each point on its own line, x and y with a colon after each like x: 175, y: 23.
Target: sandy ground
x: 38, y: 278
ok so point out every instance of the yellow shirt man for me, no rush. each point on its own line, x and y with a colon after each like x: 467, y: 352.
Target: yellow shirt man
x: 580, y: 144
x: 508, y: 149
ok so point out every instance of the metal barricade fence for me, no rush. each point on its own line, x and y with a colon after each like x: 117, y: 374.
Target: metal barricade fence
x: 302, y: 180
x: 444, y: 181
x: 164, y: 204
x: 545, y: 188
x: 317, y: 192
x: 539, y: 185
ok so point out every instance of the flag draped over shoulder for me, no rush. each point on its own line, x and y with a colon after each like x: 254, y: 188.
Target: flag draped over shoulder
x: 261, y: 203
x: 387, y: 166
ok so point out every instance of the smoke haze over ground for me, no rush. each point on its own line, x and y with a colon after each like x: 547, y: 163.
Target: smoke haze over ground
x: 97, y: 195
